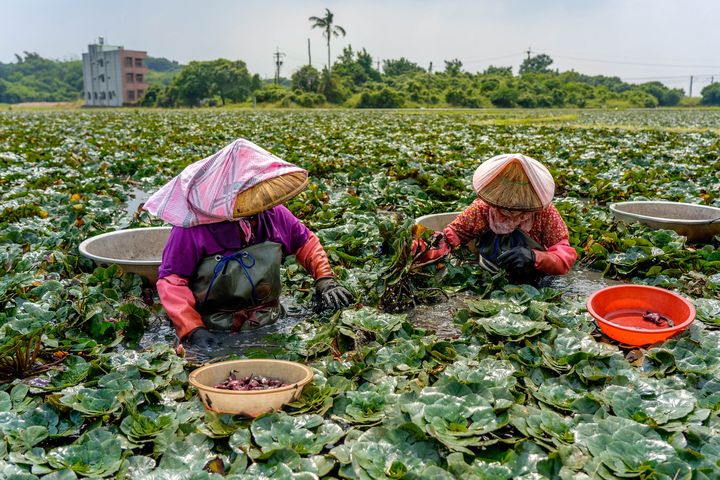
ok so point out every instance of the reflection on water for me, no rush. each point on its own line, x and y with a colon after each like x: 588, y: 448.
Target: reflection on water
x: 137, y: 198
x: 438, y: 318
x: 579, y: 284
x: 160, y: 330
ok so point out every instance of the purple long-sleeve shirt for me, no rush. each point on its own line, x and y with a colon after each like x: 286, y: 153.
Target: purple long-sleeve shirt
x: 187, y: 247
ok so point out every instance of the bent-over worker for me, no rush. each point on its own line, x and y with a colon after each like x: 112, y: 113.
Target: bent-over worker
x: 513, y: 222
x: 220, y: 267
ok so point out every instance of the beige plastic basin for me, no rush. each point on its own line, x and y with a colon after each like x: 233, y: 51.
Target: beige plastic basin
x: 255, y: 402
x: 436, y: 221
x: 699, y: 223
x: 137, y: 250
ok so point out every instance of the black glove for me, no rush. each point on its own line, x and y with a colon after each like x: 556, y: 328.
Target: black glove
x: 519, y: 262
x: 202, y: 338
x: 330, y: 294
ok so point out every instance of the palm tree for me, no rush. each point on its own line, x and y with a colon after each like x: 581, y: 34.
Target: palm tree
x: 326, y: 23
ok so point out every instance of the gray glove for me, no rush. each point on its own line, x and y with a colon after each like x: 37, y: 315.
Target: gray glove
x: 330, y: 294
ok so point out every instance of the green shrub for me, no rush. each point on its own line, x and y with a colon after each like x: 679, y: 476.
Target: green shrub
x: 384, y: 98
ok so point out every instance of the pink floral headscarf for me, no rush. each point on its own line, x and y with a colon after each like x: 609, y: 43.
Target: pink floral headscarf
x: 205, y: 191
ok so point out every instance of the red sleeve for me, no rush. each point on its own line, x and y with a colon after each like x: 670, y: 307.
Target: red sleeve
x: 560, y: 256
x: 313, y: 258
x: 557, y: 260
x: 469, y: 224
x: 179, y: 303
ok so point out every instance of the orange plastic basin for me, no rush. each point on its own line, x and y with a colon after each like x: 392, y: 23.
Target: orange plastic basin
x: 619, y: 310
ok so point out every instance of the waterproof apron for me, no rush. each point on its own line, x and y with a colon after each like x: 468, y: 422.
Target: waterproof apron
x: 239, y: 291
x: 491, y: 245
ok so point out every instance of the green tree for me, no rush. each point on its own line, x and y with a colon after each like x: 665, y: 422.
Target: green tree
x: 711, y: 94
x: 162, y: 64
x: 453, y: 67
x: 401, y: 66
x: 229, y: 80
x: 306, y: 79
x: 34, y: 78
x: 356, y: 66
x: 493, y: 70
x: 384, y: 98
x: 329, y: 29
x: 332, y: 88
x: 536, y: 64
x: 666, y: 97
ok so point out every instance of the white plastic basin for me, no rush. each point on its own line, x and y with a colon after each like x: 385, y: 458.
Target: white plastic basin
x: 137, y: 250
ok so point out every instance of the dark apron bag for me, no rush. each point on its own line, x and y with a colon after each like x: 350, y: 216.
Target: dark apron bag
x: 491, y: 245
x: 241, y: 290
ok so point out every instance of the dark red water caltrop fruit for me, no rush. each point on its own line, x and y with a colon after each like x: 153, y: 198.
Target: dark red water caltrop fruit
x: 251, y: 382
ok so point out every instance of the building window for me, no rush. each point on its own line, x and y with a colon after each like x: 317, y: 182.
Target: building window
x: 138, y: 62
x: 102, y: 95
x: 95, y: 95
x: 111, y: 95
x: 100, y: 62
x: 139, y: 77
x: 129, y: 77
x: 140, y: 93
x: 131, y: 94
x: 128, y: 61
x: 89, y: 96
x: 101, y: 78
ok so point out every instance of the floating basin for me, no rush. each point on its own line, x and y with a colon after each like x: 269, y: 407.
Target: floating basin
x: 436, y: 221
x: 619, y: 312
x: 254, y: 402
x: 137, y: 250
x: 699, y: 223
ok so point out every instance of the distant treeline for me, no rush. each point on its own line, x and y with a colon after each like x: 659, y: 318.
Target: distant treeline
x: 353, y: 81
x: 33, y: 78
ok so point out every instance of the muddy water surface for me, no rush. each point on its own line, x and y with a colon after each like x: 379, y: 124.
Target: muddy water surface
x: 438, y: 318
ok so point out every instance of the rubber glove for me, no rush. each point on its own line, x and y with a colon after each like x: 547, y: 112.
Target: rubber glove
x: 330, y: 294
x: 202, y: 338
x: 517, y: 261
x: 425, y: 253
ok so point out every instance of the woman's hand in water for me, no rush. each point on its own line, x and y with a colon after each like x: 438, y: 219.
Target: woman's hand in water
x: 202, y: 338
x: 330, y: 294
x: 517, y: 261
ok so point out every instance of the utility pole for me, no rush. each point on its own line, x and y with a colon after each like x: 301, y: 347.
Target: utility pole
x: 278, y: 63
x: 309, y: 56
x: 528, y: 51
x: 691, y: 80
x: 430, y: 68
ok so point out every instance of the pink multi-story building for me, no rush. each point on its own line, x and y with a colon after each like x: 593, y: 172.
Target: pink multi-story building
x: 113, y: 76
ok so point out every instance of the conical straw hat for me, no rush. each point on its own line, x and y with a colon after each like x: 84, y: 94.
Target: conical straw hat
x: 269, y: 193
x: 511, y: 189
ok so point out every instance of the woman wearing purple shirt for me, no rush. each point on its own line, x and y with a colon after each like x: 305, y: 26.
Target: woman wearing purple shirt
x: 221, y: 264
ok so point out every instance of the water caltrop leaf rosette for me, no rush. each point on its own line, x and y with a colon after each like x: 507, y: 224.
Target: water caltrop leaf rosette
x: 526, y: 390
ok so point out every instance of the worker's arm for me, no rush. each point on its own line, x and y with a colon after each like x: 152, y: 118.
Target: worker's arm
x: 179, y: 303
x: 556, y: 260
x: 469, y: 224
x: 559, y: 257
x: 313, y: 258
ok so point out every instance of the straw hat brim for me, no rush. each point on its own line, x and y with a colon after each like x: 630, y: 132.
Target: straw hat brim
x: 269, y: 193
x: 511, y: 189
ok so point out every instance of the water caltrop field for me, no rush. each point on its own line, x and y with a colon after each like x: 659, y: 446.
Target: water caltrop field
x: 517, y: 381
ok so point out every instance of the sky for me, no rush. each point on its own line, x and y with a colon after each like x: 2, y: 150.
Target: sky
x: 637, y: 40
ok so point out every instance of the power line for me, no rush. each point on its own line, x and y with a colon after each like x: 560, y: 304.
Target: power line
x: 638, y: 64
x: 488, y: 59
